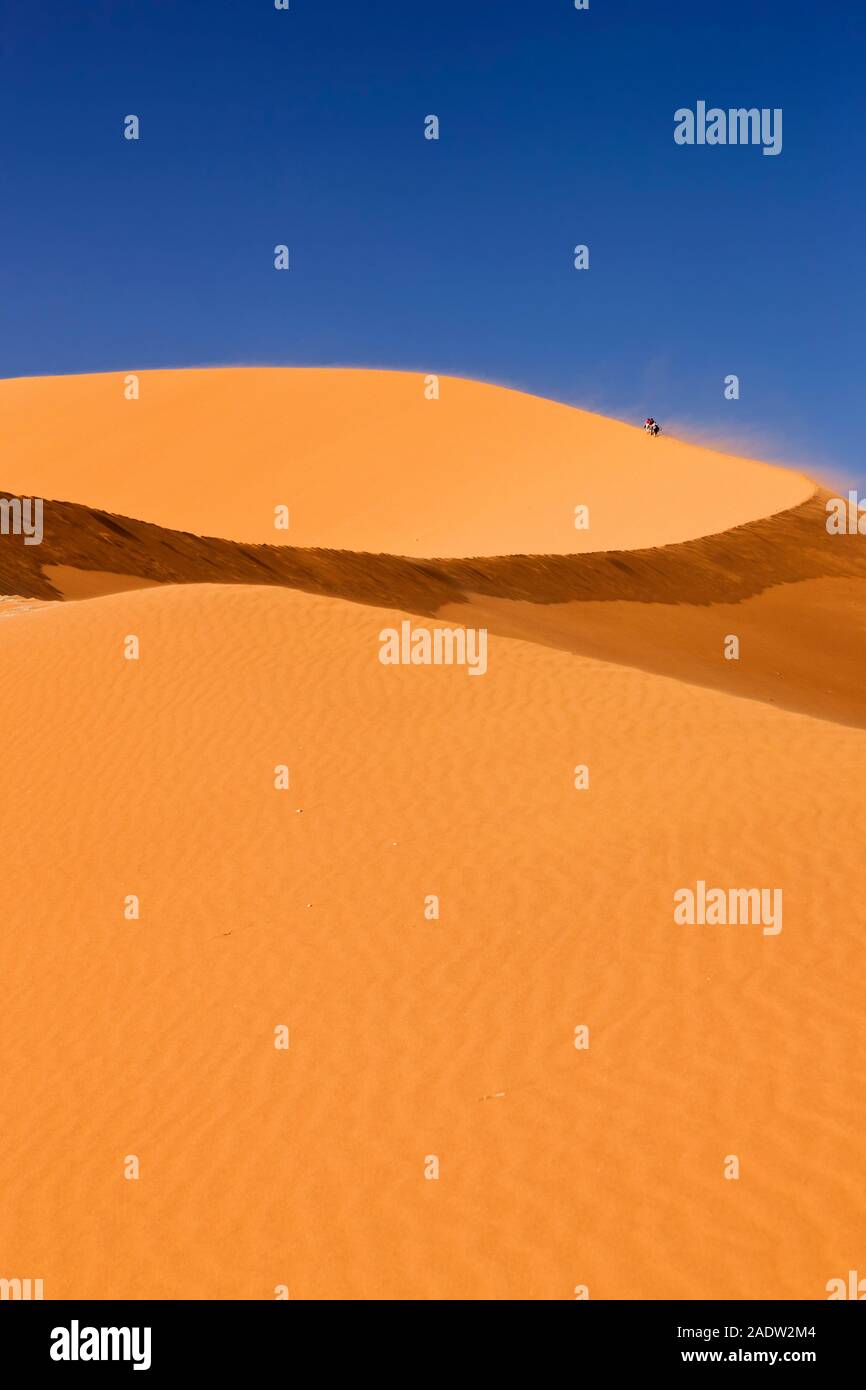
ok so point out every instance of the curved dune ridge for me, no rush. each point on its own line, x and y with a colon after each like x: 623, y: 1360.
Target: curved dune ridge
x: 793, y: 593
x: 364, y: 461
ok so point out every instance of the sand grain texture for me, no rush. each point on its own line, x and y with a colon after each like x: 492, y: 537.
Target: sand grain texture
x: 261, y: 1167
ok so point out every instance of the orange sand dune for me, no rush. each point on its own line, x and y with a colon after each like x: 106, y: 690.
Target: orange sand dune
x: 410, y: 1037
x: 365, y: 462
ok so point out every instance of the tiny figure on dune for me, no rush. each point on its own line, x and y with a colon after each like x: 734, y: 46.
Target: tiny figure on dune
x: 650, y: 425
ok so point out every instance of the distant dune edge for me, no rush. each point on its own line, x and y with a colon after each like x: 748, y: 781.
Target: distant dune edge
x: 394, y: 462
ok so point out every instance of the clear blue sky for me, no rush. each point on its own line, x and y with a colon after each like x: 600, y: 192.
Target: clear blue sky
x: 306, y: 127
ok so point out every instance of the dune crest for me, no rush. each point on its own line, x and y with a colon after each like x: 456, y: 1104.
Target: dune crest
x: 364, y: 461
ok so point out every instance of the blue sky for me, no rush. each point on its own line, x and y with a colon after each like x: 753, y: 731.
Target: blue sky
x: 305, y: 127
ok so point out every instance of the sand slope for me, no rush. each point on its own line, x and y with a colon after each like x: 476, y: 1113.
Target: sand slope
x: 365, y: 462
x: 793, y: 594
x: 260, y: 1167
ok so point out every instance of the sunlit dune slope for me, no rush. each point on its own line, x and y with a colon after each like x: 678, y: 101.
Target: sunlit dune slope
x: 364, y: 461
x: 411, y: 1037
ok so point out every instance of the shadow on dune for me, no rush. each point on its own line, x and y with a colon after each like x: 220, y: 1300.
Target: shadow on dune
x: 793, y: 594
